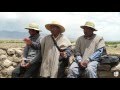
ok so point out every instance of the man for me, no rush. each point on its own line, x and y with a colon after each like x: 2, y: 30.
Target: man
x: 29, y: 67
x: 89, y: 48
x: 50, y: 51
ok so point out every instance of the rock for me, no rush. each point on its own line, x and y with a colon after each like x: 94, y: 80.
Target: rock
x: 16, y: 59
x: 4, y: 72
x: 6, y: 63
x: 104, y: 67
x: 2, y: 52
x: 9, y: 70
x: 0, y: 68
x: 11, y: 58
x: 3, y: 57
x: 14, y: 64
x: 18, y: 52
x: 10, y: 51
x: 111, y: 60
x: 116, y: 68
x: 105, y: 74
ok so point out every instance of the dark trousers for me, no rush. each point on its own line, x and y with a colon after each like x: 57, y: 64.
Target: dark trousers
x: 63, y: 64
x: 31, y: 72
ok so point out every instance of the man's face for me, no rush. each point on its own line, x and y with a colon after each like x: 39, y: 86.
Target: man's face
x: 55, y: 30
x: 88, y: 31
x: 32, y: 32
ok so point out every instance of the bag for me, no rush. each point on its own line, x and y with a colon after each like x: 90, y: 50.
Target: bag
x: 111, y: 60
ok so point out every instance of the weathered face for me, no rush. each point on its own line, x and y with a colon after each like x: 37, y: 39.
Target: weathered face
x: 55, y: 30
x: 88, y: 31
x: 32, y: 32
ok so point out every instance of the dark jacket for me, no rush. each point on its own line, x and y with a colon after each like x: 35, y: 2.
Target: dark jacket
x: 32, y: 52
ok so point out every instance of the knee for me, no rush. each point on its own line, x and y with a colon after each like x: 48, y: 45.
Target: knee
x: 90, y: 69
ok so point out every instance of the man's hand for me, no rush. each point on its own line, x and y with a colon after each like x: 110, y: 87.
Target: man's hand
x: 27, y: 41
x: 84, y: 63
x: 27, y: 65
x: 63, y: 54
x: 24, y: 64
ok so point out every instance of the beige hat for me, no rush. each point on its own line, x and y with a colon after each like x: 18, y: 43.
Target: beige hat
x: 90, y: 25
x: 33, y: 26
x: 56, y: 24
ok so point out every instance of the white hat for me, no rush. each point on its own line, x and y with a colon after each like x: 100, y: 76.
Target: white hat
x: 55, y: 24
x: 90, y: 25
x: 33, y: 26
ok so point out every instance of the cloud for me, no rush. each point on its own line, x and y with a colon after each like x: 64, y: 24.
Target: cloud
x: 107, y: 23
x: 8, y: 15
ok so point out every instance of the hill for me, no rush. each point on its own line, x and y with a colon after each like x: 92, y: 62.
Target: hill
x: 14, y: 35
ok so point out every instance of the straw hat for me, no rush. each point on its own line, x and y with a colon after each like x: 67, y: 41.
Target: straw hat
x: 90, y: 25
x: 33, y: 26
x: 55, y: 23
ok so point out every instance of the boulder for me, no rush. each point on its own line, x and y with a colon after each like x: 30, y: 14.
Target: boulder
x: 18, y: 52
x: 6, y: 63
x: 10, y: 51
x: 116, y: 68
x: 2, y: 52
x: 14, y: 64
x: 9, y: 70
x: 3, y: 57
x: 16, y: 59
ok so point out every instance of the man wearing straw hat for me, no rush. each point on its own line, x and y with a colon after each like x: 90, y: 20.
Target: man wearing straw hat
x: 89, y: 48
x: 51, y: 47
x: 29, y: 67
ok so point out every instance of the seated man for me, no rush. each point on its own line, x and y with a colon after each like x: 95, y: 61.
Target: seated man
x: 52, y: 50
x: 89, y: 48
x: 29, y: 67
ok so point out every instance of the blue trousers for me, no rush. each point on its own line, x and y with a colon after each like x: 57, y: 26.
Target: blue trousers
x: 90, y: 72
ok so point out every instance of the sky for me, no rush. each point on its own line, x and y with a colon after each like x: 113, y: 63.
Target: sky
x: 107, y: 23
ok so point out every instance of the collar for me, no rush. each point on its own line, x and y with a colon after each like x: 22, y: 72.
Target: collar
x: 91, y: 37
x: 60, y: 35
x: 35, y: 36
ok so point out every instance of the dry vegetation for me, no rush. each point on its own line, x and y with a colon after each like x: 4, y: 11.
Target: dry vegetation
x: 112, y: 47
x: 11, y: 44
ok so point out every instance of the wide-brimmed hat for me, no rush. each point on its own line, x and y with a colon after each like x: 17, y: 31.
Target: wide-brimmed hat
x: 33, y: 26
x: 55, y: 23
x: 90, y: 25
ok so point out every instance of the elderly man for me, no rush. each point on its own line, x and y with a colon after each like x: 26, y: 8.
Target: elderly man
x: 52, y: 47
x: 89, y: 48
x: 29, y: 67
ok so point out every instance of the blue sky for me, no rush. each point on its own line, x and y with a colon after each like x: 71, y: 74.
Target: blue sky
x: 107, y: 23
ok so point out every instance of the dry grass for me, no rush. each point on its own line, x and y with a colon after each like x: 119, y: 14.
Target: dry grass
x: 113, y: 50
x: 11, y: 44
x: 112, y: 47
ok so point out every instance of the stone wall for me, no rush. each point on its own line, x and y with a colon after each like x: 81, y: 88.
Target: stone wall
x: 9, y: 59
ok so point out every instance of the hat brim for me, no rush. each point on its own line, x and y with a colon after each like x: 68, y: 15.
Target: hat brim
x: 88, y: 27
x: 48, y: 27
x: 33, y: 29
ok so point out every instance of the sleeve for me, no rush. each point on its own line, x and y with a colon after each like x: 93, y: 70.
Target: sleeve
x: 95, y: 56
x: 77, y: 53
x: 101, y: 43
x: 37, y: 59
x: 36, y: 45
x: 42, y: 44
x: 69, y: 51
x: 25, y: 51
